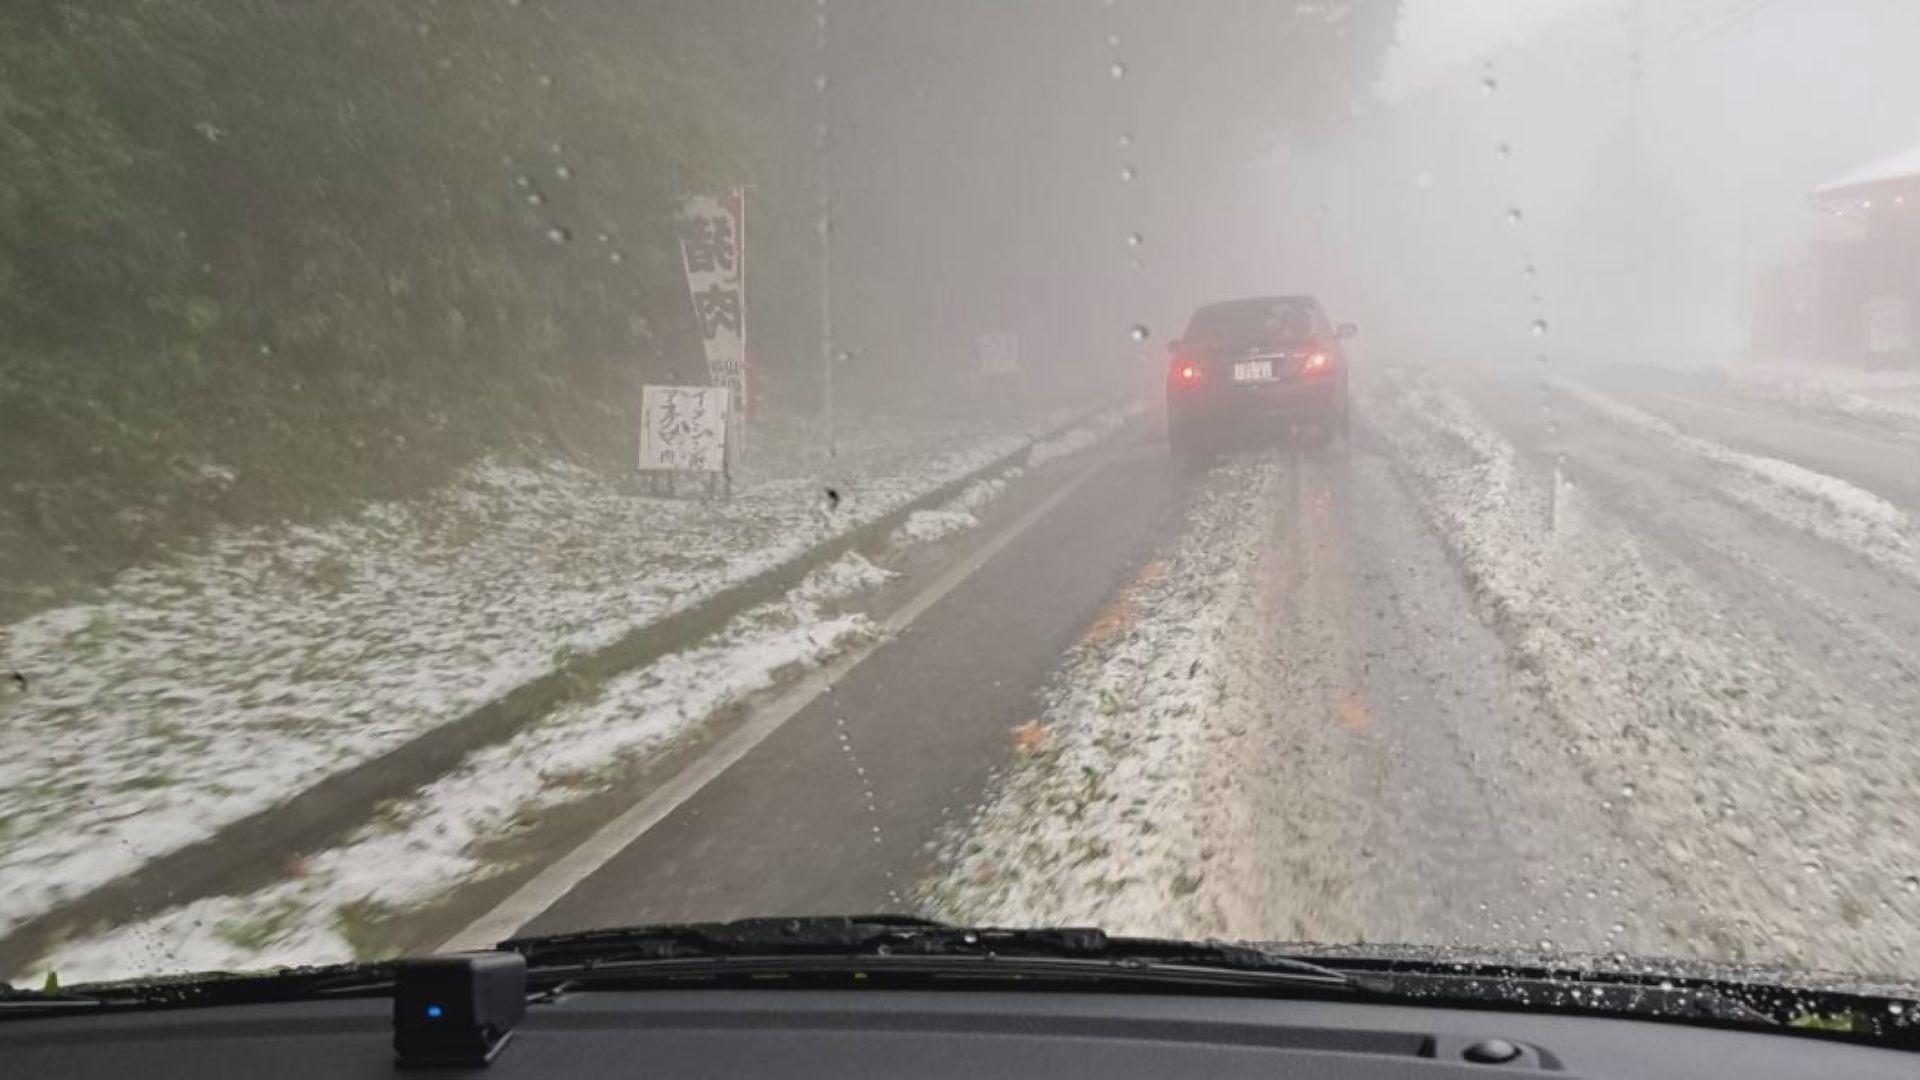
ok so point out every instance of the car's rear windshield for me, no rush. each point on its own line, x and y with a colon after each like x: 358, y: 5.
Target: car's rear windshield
x: 1281, y: 316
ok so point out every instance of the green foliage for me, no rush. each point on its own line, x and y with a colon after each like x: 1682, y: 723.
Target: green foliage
x: 309, y: 242
x: 1824, y: 1022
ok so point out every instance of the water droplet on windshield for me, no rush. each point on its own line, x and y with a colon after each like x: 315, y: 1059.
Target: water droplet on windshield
x: 1118, y: 70
x: 1126, y: 139
x: 1138, y: 332
x: 559, y: 234
x: 1126, y: 172
x: 1113, y: 41
x: 1539, y: 328
x: 1896, y: 1008
x: 820, y: 82
x: 563, y: 172
x: 545, y: 81
x: 1546, y: 945
x: 615, y: 258
x: 1912, y: 884
x: 1489, y: 84
x: 523, y: 181
x: 1626, y: 791
x: 1504, y: 149
x: 536, y: 197
x: 1133, y: 239
x: 1514, y: 216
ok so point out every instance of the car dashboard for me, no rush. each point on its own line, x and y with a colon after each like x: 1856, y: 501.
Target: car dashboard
x: 743, y: 1034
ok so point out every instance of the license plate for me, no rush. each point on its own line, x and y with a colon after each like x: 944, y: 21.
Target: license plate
x: 1253, y: 371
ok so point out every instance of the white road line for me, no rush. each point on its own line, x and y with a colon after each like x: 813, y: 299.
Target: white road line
x: 553, y: 883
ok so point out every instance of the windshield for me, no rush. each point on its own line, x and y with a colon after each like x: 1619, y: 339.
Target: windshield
x: 478, y: 469
x: 1279, y: 317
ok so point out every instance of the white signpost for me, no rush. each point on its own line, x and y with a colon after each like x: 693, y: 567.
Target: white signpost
x: 1889, y: 327
x: 999, y: 354
x: 713, y: 248
x: 684, y: 429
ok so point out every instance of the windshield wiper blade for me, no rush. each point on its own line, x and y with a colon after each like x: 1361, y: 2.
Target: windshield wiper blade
x: 206, y: 988
x: 899, y: 939
x: 18, y: 1000
x: 670, y: 941
x: 1659, y: 992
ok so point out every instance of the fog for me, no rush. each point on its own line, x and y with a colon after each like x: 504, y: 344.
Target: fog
x: 1658, y: 155
x: 1658, y: 165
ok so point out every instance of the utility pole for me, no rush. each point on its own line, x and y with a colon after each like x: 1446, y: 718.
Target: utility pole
x: 1636, y: 44
x: 822, y: 85
x: 1634, y: 230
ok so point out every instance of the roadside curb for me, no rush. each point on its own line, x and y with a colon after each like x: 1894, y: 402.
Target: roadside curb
x: 253, y: 851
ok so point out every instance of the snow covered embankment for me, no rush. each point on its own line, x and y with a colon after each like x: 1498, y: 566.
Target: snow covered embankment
x: 1886, y: 400
x: 449, y: 834
x: 436, y: 842
x: 198, y: 691
x: 1759, y: 787
x: 1822, y: 505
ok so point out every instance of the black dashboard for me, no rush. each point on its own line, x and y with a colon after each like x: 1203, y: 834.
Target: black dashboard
x: 742, y: 1034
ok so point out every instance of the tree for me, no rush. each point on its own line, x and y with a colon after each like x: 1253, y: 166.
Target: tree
x: 319, y: 241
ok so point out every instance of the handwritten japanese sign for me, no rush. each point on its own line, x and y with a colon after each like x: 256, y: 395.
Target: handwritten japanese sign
x: 713, y: 249
x: 684, y: 428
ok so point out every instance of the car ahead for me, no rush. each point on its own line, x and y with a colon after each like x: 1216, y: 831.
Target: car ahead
x: 898, y: 996
x: 1256, y: 367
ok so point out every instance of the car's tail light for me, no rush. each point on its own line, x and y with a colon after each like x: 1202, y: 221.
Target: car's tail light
x: 1315, y: 363
x: 1186, y: 372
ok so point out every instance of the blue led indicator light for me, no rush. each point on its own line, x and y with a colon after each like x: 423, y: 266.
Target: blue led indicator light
x: 434, y: 1012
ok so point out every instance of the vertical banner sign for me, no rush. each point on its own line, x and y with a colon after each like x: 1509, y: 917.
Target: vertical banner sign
x: 713, y: 248
x: 684, y: 428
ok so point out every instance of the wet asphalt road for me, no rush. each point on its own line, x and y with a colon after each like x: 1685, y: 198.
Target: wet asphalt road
x: 1409, y: 782
x: 835, y: 811
x: 1395, y: 727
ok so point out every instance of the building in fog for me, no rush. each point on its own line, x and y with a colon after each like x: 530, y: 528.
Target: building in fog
x: 1852, y: 300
